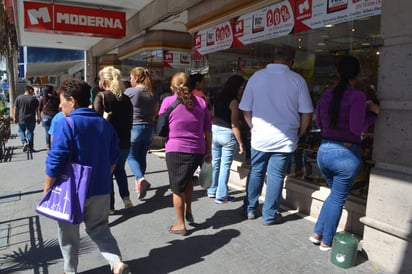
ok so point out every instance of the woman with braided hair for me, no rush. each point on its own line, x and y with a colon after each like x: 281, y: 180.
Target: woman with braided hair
x: 188, y: 144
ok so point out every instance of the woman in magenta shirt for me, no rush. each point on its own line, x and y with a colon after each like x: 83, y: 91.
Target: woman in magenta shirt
x: 342, y: 115
x: 188, y: 144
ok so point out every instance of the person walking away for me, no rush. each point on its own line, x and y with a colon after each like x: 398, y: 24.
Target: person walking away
x: 198, y: 83
x: 141, y: 95
x: 277, y: 107
x: 113, y: 100
x: 26, y: 108
x: 48, y: 107
x: 76, y: 140
x: 342, y: 114
x: 225, y: 136
x: 188, y: 144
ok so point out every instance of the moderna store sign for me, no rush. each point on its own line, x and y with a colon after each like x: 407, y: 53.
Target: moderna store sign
x: 63, y: 19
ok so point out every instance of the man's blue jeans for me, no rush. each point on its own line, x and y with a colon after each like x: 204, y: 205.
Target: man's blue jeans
x: 26, y: 133
x: 140, y: 140
x: 223, y: 147
x: 340, y: 165
x: 274, y: 164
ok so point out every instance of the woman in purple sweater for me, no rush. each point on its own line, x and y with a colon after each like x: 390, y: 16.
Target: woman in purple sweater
x: 343, y: 113
x: 188, y: 144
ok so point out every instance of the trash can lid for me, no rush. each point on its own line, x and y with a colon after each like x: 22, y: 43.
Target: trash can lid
x: 346, y: 238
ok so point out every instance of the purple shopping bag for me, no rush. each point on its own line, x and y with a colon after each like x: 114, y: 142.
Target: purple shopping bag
x: 65, y: 201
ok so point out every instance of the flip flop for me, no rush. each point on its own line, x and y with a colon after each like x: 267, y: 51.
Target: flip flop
x: 121, y: 268
x: 182, y: 232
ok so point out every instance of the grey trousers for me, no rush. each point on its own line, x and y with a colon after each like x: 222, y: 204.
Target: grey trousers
x: 96, y: 215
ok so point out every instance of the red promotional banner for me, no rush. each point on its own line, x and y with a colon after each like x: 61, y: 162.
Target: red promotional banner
x: 55, y: 18
x: 263, y: 24
x: 219, y: 37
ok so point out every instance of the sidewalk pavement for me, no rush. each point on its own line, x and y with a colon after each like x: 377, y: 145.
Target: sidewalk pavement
x: 220, y: 241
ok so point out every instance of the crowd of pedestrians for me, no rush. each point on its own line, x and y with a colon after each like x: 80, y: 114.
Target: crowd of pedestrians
x: 274, y: 104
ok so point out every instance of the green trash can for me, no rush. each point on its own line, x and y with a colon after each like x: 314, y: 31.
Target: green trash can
x: 344, y: 250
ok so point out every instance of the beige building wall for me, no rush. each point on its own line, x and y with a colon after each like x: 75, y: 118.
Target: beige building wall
x: 388, y: 221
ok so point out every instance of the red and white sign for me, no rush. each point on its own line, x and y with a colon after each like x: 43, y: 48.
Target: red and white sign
x: 333, y: 12
x: 264, y: 24
x: 267, y: 23
x: 176, y: 59
x: 216, y: 38
x: 44, y: 17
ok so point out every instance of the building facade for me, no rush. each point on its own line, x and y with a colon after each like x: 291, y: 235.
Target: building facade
x: 221, y: 38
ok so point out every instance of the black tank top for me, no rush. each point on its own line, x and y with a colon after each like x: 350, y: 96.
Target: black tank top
x: 222, y: 114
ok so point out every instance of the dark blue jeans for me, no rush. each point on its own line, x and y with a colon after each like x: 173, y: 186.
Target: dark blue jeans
x: 120, y: 175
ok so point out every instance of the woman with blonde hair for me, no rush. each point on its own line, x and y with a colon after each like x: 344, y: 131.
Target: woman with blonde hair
x: 113, y: 101
x: 188, y: 144
x: 141, y: 95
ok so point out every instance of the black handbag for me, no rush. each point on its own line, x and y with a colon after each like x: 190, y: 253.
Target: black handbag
x: 162, y: 126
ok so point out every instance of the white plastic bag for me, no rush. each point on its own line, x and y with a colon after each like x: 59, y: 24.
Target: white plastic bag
x: 205, y: 176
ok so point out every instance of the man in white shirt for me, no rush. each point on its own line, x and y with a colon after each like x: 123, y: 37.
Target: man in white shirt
x: 278, y: 108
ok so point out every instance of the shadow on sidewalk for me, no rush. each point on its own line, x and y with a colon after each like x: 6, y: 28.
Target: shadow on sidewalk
x: 26, y: 249
x: 177, y: 254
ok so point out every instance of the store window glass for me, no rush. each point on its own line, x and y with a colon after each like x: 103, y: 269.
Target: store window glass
x: 317, y: 52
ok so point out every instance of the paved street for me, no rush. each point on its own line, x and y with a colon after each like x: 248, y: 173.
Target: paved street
x: 220, y: 241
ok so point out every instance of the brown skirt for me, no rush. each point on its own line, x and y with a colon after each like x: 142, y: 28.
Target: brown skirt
x: 181, y: 167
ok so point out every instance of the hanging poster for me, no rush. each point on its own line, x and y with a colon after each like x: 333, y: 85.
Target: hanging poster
x: 216, y: 38
x: 264, y: 24
x: 281, y: 19
x: 313, y: 14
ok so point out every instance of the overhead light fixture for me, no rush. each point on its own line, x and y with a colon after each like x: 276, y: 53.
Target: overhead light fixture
x: 329, y: 26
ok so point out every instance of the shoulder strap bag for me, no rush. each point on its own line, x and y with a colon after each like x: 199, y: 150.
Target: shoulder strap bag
x: 106, y: 115
x: 162, y: 126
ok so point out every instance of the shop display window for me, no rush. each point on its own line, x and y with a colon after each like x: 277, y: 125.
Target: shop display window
x: 317, y: 52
